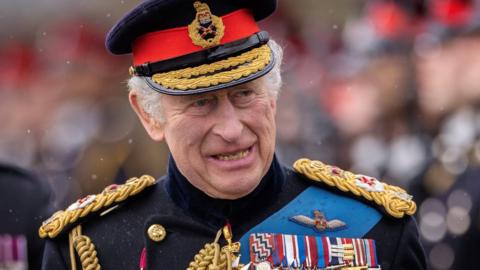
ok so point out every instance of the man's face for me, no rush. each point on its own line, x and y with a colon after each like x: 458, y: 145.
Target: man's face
x: 437, y: 93
x: 223, y: 141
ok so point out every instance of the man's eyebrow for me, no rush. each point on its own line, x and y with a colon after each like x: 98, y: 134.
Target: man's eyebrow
x: 188, y: 98
x: 248, y: 85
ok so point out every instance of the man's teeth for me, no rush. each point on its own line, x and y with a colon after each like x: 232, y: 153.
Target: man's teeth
x: 237, y: 155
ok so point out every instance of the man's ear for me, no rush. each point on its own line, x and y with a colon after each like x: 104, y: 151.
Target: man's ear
x: 154, y: 128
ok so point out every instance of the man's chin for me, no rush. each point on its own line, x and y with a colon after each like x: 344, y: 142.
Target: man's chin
x: 236, y: 187
x: 232, y: 194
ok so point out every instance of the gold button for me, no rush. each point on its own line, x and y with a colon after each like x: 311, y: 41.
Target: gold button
x: 156, y: 232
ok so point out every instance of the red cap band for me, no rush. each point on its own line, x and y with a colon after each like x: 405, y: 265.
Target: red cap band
x: 170, y: 43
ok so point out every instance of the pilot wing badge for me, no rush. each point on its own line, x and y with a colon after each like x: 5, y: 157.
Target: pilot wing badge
x: 319, y: 223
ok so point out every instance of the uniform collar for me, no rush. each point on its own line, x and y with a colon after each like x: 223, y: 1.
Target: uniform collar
x: 216, y: 212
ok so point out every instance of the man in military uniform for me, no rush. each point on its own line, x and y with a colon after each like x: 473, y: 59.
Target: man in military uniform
x: 25, y: 202
x: 226, y: 202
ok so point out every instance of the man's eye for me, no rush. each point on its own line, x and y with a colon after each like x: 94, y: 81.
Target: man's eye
x: 245, y: 93
x: 243, y: 97
x: 201, y: 102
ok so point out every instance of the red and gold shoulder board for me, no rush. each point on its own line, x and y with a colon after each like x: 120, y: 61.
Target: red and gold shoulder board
x: 109, y: 197
x: 395, y: 200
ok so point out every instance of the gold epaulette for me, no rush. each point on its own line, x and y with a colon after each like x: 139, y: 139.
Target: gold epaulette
x: 394, y: 200
x: 93, y: 203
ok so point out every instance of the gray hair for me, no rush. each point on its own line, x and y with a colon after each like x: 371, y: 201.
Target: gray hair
x: 150, y: 100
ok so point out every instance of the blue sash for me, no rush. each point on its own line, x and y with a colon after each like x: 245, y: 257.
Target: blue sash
x: 359, y: 217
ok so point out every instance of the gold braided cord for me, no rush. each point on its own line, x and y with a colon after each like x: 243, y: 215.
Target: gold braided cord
x: 54, y: 225
x: 216, y: 73
x: 73, y: 261
x: 85, y: 250
x: 212, y: 257
x: 219, y: 65
x: 394, y: 200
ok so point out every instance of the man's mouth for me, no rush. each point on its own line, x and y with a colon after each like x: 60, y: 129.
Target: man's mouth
x: 233, y: 156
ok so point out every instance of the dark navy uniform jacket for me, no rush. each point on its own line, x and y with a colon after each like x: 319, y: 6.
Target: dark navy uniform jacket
x: 25, y: 200
x: 192, y: 219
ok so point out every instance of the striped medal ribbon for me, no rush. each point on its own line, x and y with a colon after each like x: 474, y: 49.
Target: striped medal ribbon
x: 284, y: 251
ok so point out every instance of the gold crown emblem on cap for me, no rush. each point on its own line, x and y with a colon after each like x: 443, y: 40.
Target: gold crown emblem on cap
x: 206, y: 29
x: 201, y: 7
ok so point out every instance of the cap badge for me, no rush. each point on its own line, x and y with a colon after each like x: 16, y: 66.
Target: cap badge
x: 206, y: 29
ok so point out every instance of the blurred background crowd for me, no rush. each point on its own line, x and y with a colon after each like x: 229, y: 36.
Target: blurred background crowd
x: 384, y: 88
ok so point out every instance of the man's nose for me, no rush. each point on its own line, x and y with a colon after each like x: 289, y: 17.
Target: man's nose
x: 228, y: 124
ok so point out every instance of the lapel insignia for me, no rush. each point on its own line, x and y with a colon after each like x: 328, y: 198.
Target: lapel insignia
x: 206, y: 30
x: 319, y: 223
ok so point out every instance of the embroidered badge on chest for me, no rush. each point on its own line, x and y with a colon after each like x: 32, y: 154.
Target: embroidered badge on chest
x: 206, y: 30
x: 318, y: 223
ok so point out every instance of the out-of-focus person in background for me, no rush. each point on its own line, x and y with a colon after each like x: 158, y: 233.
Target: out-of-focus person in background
x: 304, y: 127
x: 370, y: 97
x: 69, y: 123
x: 415, y: 115
x: 448, y: 86
x: 26, y: 201
x: 61, y: 117
x: 89, y: 138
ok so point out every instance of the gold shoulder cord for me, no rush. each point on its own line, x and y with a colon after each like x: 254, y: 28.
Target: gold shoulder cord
x: 394, y: 199
x: 85, y: 249
x: 212, y: 257
x: 113, y: 194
